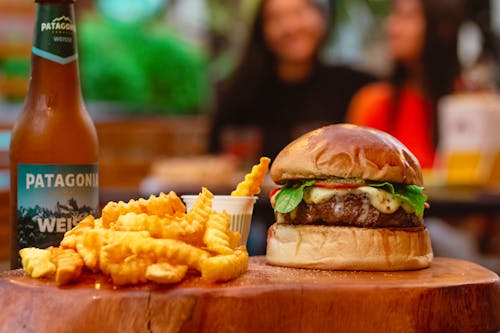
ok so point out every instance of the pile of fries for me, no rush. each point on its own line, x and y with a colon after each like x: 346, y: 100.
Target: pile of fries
x: 152, y: 239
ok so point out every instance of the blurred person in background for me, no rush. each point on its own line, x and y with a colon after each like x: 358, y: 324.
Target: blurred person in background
x: 422, y: 44
x: 281, y: 88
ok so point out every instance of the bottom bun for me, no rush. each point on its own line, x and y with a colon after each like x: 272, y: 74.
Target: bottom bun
x: 348, y: 248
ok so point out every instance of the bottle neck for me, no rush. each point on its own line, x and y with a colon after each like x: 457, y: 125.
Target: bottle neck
x: 54, y: 64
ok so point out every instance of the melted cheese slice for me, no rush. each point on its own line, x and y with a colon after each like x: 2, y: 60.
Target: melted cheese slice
x: 384, y: 201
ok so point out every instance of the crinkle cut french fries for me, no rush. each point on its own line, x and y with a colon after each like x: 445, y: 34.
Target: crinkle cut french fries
x: 144, y: 240
x: 253, y: 180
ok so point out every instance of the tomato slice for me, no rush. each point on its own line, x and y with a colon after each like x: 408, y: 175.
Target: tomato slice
x: 273, y: 192
x: 337, y: 185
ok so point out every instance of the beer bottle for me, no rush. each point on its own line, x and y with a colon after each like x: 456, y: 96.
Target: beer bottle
x: 53, y: 148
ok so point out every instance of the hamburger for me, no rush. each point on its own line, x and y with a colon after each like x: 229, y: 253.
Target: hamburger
x: 351, y: 199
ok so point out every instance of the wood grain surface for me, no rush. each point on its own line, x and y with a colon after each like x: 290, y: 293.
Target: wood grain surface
x: 450, y: 296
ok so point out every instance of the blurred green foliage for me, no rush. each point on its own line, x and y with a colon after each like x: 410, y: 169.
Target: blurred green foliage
x: 378, y: 8
x: 141, y: 66
x: 15, y: 67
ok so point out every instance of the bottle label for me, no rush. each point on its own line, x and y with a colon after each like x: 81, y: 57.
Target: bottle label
x: 52, y: 199
x: 55, y: 33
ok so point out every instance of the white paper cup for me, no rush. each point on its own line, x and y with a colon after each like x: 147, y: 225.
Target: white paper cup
x: 239, y: 208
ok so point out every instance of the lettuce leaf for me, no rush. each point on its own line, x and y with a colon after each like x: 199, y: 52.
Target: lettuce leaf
x: 290, y: 195
x: 411, y: 194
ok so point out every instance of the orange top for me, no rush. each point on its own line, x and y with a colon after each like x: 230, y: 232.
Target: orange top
x: 412, y: 124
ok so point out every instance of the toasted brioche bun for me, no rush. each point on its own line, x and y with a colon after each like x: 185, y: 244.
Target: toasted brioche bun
x: 347, y: 151
x: 348, y: 248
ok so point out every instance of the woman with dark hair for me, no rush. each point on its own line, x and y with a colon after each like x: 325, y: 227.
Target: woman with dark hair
x: 280, y: 87
x: 422, y: 43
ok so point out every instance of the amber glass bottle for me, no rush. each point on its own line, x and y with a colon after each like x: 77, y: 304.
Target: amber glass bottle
x: 53, y: 149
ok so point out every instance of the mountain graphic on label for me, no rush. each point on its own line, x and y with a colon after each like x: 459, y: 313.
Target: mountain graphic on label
x: 61, y: 19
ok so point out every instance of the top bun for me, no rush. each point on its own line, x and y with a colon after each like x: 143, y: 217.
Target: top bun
x: 347, y: 151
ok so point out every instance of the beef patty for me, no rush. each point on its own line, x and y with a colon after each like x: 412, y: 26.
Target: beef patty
x: 350, y: 210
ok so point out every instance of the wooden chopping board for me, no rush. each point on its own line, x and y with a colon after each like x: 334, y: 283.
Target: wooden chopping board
x: 450, y: 296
